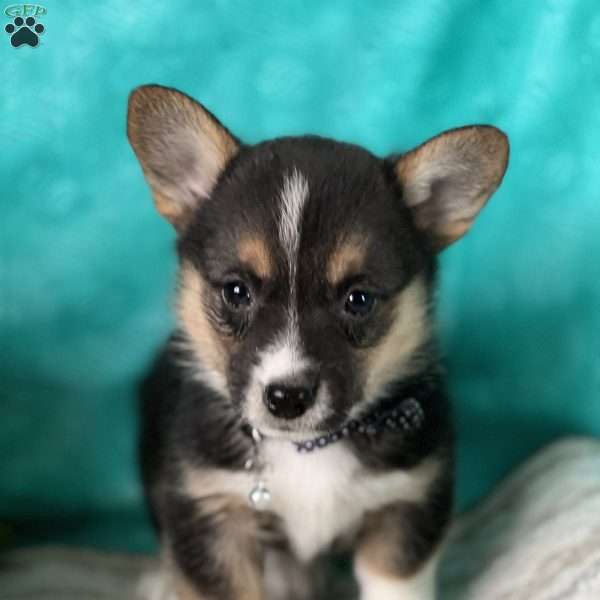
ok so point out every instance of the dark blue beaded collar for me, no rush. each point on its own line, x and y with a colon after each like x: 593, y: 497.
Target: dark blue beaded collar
x: 408, y: 415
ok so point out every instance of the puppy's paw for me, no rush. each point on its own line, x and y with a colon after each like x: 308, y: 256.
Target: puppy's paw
x: 155, y: 586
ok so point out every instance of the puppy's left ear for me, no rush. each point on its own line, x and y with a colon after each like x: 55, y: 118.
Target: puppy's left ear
x: 447, y: 180
x: 181, y: 146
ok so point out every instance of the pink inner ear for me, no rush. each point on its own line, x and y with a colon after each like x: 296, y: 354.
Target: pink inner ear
x: 181, y: 147
x: 447, y: 180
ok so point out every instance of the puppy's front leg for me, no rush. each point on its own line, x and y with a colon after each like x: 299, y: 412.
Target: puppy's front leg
x: 213, y: 550
x: 398, y: 550
x: 375, y: 585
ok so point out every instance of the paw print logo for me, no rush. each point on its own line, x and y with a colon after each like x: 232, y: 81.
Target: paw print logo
x: 24, y: 32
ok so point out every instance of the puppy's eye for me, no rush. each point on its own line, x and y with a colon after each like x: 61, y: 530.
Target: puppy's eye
x: 359, y: 303
x: 237, y: 295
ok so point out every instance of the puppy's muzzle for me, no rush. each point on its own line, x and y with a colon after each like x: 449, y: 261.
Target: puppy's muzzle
x: 290, y: 399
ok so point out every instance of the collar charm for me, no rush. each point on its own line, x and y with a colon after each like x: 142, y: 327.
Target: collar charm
x: 260, y: 496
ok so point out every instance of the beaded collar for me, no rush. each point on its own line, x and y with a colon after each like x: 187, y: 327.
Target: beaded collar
x: 402, y: 413
x: 408, y: 415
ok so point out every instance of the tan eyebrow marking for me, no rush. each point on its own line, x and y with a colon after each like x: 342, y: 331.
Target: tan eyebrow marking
x: 254, y: 252
x: 346, y: 259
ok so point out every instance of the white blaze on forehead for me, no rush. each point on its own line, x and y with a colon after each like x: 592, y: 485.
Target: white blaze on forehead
x: 294, y: 194
x: 286, y: 358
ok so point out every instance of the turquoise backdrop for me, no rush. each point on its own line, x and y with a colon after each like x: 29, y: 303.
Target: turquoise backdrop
x: 87, y: 266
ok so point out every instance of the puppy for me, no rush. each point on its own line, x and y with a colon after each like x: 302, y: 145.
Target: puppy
x: 299, y: 407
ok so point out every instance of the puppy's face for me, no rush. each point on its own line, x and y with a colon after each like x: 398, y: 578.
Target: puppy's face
x: 304, y: 287
x: 306, y: 264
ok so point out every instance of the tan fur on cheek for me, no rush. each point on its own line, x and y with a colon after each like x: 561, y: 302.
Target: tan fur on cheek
x: 209, y: 347
x: 395, y: 355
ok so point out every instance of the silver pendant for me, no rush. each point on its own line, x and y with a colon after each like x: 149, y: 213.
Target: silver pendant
x: 260, y: 497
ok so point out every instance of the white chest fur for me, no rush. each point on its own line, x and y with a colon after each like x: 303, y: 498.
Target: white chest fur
x: 314, y: 494
x: 324, y: 494
x: 319, y: 496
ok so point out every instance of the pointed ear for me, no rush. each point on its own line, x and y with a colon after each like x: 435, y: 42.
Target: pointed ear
x: 447, y: 180
x: 181, y: 146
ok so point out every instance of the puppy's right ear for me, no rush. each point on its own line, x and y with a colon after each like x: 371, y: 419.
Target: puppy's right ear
x: 181, y: 146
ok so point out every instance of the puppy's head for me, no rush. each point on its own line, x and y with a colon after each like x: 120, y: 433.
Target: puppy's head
x: 306, y: 264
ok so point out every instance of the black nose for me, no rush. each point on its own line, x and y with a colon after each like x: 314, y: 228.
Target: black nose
x: 288, y: 401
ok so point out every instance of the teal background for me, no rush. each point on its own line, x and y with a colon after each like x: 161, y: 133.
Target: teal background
x: 87, y: 266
